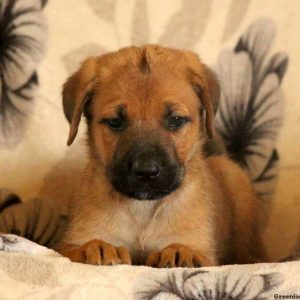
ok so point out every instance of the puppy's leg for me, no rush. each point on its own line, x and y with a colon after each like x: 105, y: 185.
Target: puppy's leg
x: 248, y: 245
x: 97, y: 252
x: 177, y: 255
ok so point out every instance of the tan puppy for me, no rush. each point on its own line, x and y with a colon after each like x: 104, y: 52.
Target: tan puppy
x: 148, y: 195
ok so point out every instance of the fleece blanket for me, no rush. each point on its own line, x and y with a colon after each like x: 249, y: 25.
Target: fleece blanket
x: 30, y: 271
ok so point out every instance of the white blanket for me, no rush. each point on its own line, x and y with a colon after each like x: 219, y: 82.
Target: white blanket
x: 30, y: 271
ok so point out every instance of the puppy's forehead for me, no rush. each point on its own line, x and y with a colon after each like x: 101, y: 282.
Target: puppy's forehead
x: 147, y: 60
x: 147, y: 73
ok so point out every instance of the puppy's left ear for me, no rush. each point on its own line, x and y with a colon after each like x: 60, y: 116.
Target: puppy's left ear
x: 76, y: 93
x: 206, y: 86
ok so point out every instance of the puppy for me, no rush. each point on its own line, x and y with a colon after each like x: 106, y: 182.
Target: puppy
x: 149, y: 195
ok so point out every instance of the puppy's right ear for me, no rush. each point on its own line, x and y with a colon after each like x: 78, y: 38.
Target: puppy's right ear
x: 76, y: 92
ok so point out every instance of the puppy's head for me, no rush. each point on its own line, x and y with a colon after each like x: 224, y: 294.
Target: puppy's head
x: 144, y: 108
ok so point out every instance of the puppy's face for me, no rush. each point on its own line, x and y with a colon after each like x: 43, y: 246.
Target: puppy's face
x: 144, y: 108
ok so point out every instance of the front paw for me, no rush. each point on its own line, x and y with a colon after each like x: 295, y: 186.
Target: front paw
x: 177, y: 255
x: 98, y: 252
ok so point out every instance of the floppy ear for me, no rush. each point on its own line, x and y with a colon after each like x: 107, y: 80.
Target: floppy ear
x: 206, y: 86
x: 76, y: 92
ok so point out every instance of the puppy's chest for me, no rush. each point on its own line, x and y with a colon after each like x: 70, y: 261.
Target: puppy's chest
x: 141, y: 230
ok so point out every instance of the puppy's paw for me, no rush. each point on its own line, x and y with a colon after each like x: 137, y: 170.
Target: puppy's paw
x: 98, y: 252
x: 177, y: 255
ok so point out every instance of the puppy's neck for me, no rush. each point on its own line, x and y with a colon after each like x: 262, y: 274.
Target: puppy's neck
x: 142, y: 211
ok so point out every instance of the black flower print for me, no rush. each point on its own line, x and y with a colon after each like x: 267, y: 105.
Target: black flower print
x: 205, y: 285
x: 251, y: 107
x: 22, y: 45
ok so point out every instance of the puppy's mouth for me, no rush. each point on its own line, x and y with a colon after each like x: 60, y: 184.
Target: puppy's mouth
x: 145, y: 173
x: 136, y: 192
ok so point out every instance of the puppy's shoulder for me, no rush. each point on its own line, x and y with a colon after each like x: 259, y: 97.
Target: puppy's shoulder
x: 90, y: 189
x: 223, y: 166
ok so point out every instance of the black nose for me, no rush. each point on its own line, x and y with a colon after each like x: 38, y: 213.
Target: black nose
x: 145, y: 169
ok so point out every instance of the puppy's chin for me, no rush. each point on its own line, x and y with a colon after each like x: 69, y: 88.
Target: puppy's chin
x: 149, y: 194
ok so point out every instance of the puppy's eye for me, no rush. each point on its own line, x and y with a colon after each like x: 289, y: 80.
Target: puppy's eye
x: 176, y: 122
x: 115, y: 124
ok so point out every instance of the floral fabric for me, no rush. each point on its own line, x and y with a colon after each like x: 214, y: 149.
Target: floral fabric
x: 30, y: 271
